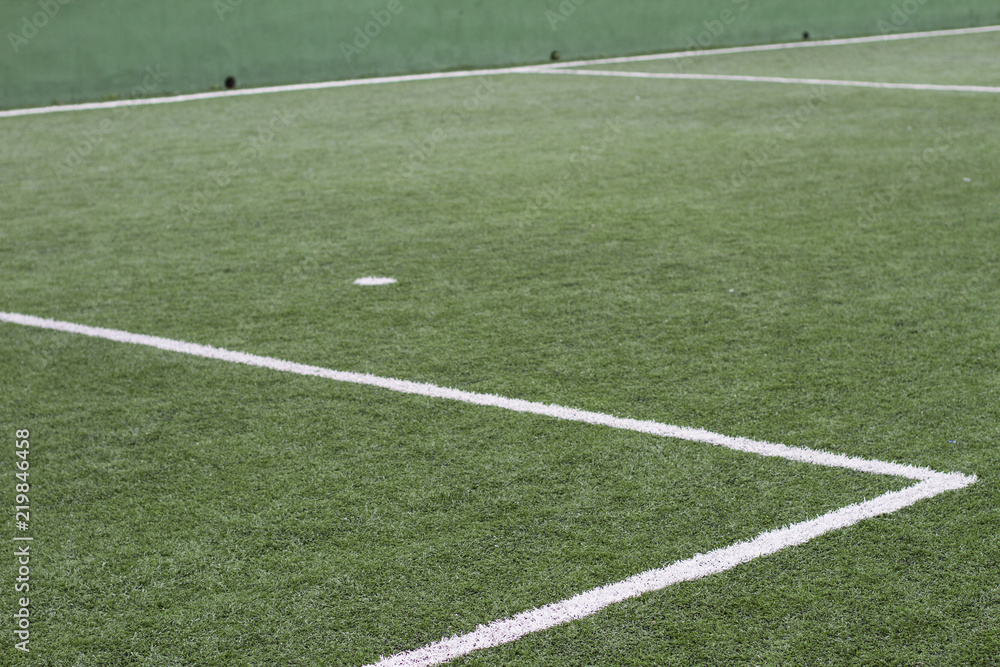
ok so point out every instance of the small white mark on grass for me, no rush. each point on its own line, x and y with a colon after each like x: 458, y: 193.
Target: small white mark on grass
x: 967, y: 179
x: 372, y: 280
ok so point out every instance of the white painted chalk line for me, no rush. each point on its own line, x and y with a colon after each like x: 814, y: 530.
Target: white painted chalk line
x: 290, y: 88
x: 776, y: 79
x: 585, y: 604
x: 954, y: 32
x: 801, y: 454
x: 527, y: 69
x: 590, y: 602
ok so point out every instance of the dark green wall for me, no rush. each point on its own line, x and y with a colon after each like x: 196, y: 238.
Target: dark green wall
x: 90, y: 49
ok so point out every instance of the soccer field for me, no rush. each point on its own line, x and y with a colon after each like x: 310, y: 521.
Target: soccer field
x: 553, y: 438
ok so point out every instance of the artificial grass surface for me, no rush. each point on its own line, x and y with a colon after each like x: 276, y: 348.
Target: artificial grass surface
x: 185, y: 515
x: 237, y: 516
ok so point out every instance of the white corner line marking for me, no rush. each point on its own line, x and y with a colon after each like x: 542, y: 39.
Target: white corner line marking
x: 525, y: 69
x: 954, y: 32
x: 930, y: 484
x: 504, y: 631
x: 775, y: 79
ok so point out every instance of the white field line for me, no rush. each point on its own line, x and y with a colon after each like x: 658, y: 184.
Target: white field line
x: 801, y: 454
x: 776, y: 79
x: 322, y: 85
x: 585, y: 604
x: 931, y: 483
x: 291, y: 88
x: 778, y: 47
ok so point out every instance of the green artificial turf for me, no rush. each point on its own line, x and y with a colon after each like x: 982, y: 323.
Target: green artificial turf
x: 664, y: 250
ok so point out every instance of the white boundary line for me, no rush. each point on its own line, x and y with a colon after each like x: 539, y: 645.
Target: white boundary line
x: 291, y: 88
x: 775, y: 79
x: 585, y: 604
x: 528, y: 69
x: 762, y: 448
x: 502, y: 631
x: 779, y: 47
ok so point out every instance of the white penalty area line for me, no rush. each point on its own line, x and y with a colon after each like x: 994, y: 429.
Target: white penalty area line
x: 527, y: 69
x: 775, y: 79
x: 799, y: 454
x: 930, y: 484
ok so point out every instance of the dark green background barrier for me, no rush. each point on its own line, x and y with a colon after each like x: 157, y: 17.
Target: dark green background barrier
x: 75, y: 50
